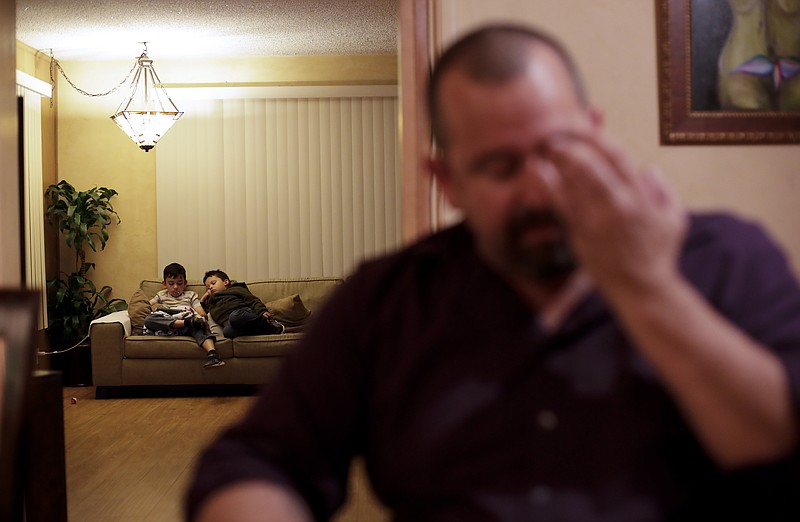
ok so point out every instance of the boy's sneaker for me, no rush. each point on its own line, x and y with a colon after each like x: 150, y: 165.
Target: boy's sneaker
x: 213, y: 360
x: 278, y: 327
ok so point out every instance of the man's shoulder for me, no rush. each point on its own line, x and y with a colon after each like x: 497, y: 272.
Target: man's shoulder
x: 435, y: 265
x: 726, y: 230
x: 415, y: 277
x: 438, y: 249
x: 720, y: 221
x: 725, y: 243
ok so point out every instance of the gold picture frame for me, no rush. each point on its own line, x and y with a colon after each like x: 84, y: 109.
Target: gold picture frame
x: 688, y: 38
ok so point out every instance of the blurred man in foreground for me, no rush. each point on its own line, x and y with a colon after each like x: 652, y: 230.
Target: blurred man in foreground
x: 579, y: 348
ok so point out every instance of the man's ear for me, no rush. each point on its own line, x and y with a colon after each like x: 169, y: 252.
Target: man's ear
x: 440, y: 171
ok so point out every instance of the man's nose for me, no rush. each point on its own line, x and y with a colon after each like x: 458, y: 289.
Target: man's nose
x: 533, y: 188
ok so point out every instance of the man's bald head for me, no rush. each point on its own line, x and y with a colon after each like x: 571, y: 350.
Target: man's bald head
x: 493, y: 55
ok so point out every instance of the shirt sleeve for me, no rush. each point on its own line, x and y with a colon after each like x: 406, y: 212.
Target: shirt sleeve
x: 775, y: 315
x: 194, y: 301
x: 758, y: 291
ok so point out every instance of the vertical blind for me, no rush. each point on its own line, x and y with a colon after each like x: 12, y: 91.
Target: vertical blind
x: 279, y: 188
x: 33, y: 198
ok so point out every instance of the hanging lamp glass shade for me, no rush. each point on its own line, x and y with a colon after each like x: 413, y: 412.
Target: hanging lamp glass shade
x: 148, y: 112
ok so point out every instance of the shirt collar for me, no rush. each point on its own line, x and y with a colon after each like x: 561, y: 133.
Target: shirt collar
x: 555, y: 313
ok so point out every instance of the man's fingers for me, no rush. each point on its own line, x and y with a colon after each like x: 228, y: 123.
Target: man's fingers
x: 592, y: 169
x: 660, y: 192
x: 587, y: 171
x: 554, y: 182
x: 663, y: 196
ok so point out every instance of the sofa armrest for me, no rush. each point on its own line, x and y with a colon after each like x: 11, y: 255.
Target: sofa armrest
x: 120, y: 316
x: 108, y: 343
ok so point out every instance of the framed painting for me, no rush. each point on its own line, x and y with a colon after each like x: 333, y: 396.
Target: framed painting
x: 728, y: 71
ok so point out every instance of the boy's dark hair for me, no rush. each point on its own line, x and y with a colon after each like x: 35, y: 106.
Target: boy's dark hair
x: 216, y: 272
x: 174, y: 270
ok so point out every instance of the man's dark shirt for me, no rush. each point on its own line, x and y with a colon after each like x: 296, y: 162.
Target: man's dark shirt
x: 429, y: 365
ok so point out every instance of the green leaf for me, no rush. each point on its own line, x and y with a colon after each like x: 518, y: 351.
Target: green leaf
x: 83, y: 218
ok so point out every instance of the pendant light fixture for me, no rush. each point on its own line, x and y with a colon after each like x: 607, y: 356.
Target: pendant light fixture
x: 148, y: 112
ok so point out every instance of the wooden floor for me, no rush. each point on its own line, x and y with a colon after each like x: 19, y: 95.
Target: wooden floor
x: 130, y: 459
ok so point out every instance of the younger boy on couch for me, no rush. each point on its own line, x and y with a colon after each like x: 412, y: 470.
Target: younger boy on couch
x: 177, y: 311
x: 235, y: 308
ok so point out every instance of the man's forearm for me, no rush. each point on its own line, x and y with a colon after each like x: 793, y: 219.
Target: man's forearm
x: 627, y: 228
x: 734, y: 392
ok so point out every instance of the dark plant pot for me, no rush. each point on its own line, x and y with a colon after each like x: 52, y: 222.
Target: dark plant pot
x: 75, y: 365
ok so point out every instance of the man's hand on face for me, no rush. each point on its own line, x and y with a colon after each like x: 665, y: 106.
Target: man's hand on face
x: 626, y: 225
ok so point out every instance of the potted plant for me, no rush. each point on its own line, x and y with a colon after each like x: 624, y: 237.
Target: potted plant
x: 73, y: 300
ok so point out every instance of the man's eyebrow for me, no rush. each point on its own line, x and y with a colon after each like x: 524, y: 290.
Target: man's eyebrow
x: 504, y: 154
x: 484, y: 160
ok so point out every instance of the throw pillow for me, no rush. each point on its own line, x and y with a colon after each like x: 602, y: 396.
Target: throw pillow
x: 290, y: 311
x: 138, y: 309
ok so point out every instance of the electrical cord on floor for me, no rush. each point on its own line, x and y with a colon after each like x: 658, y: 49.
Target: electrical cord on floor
x: 56, y: 352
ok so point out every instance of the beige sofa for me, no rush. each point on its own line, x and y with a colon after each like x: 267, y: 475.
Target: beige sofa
x: 124, y: 359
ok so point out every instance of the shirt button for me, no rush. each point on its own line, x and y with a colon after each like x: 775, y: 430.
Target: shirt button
x: 547, y: 420
x: 540, y: 495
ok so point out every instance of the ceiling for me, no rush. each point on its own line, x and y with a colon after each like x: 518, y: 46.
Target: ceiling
x: 113, y: 29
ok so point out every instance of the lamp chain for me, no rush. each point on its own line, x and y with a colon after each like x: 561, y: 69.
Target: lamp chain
x: 54, y: 64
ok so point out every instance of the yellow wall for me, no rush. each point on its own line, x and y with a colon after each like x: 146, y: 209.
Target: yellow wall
x: 38, y: 65
x: 93, y: 151
x: 614, y: 44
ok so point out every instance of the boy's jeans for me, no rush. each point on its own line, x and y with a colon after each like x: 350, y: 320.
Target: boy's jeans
x: 246, y: 321
x: 157, y: 322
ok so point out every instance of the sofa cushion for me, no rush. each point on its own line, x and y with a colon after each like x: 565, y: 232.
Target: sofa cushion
x: 171, y: 347
x: 264, y: 345
x: 138, y: 309
x: 290, y: 311
x: 315, y: 291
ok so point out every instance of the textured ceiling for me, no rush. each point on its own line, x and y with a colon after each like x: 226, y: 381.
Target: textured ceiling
x: 112, y: 29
